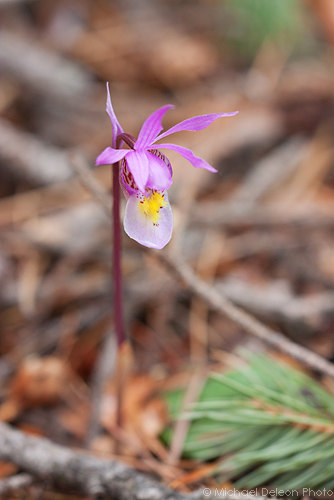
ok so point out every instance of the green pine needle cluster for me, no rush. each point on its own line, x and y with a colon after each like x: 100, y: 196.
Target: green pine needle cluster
x: 269, y: 424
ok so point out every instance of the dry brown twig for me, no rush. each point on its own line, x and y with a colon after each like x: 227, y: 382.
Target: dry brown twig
x: 90, y: 182
x: 276, y: 302
x: 220, y: 303
x: 270, y: 172
x: 34, y: 160
x: 229, y: 215
x: 41, y: 69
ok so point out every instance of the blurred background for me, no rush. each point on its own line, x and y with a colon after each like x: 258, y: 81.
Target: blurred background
x: 261, y: 230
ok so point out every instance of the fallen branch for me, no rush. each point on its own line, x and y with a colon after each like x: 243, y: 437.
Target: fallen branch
x: 41, y: 69
x: 216, y: 299
x: 65, y: 469
x: 221, y: 304
x: 31, y: 159
x: 213, y: 214
x: 276, y: 302
x: 14, y: 483
x: 83, y: 474
x: 270, y: 172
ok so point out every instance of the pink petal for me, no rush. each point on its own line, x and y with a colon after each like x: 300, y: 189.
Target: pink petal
x: 160, y: 171
x: 194, y: 124
x: 110, y: 156
x: 141, y: 229
x: 151, y: 127
x: 116, y: 128
x: 137, y: 163
x: 196, y: 161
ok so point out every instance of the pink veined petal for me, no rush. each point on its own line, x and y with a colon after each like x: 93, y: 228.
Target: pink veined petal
x: 110, y: 156
x: 160, y: 171
x: 137, y: 162
x: 116, y: 128
x: 151, y: 127
x: 141, y: 229
x: 196, y: 161
x: 194, y: 124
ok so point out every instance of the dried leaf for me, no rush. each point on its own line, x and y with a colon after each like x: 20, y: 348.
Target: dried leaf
x: 40, y: 381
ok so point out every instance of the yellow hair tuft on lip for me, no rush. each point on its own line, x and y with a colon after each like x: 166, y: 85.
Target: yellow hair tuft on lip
x: 151, y: 206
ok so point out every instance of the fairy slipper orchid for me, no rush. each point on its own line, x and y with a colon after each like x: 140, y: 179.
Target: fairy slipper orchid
x: 146, y: 173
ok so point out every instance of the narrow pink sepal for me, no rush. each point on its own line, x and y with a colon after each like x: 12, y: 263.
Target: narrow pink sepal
x: 141, y: 229
x: 196, y: 161
x: 151, y: 127
x: 137, y: 162
x: 110, y: 156
x: 194, y: 124
x: 115, y: 125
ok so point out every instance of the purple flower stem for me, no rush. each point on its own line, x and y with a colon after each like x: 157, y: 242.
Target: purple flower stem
x: 116, y: 260
x: 118, y: 294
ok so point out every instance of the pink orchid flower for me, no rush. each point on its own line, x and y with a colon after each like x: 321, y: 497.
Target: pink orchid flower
x: 146, y: 173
